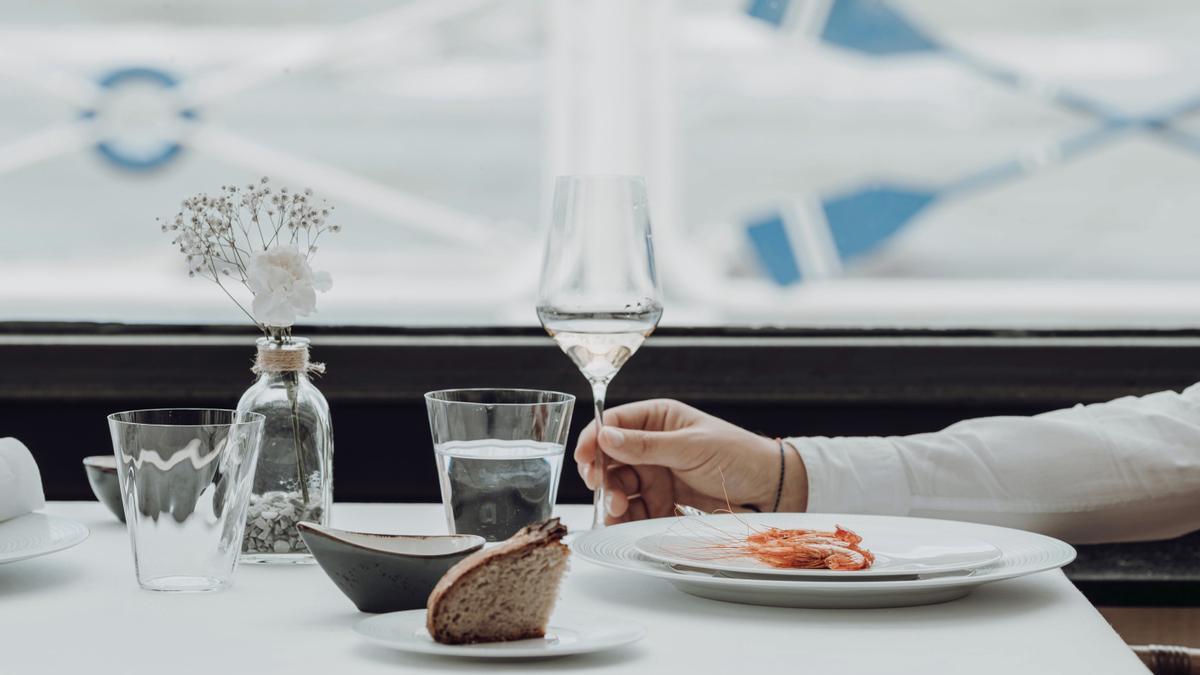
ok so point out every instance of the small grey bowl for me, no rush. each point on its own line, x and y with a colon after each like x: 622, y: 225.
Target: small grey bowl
x: 102, y: 476
x: 386, y: 572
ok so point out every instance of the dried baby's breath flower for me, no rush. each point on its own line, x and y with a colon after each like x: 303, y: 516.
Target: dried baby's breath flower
x: 220, y: 235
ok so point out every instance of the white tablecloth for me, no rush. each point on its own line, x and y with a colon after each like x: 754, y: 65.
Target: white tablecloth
x: 80, y: 612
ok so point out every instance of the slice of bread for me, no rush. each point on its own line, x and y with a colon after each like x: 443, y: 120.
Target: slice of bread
x: 503, y: 593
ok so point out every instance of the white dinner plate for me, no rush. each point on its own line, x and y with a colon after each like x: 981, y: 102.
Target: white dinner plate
x: 566, y: 634
x: 1022, y: 553
x: 36, y: 534
x: 901, y: 549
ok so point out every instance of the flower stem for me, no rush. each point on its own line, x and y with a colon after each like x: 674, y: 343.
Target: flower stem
x: 217, y: 278
x: 302, y: 473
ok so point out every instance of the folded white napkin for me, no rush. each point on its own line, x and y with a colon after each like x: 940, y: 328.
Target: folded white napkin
x: 20, y: 480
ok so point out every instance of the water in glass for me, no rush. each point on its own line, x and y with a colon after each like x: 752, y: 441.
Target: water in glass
x: 499, y: 456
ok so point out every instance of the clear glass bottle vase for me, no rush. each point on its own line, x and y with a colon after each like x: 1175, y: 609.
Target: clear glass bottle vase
x: 293, y: 481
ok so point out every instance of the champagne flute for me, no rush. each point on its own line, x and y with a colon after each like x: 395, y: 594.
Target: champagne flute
x: 599, y: 295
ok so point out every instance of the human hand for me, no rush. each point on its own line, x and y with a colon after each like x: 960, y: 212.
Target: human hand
x: 663, y: 452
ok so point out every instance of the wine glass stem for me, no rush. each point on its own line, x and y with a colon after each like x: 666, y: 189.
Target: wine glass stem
x: 599, y: 389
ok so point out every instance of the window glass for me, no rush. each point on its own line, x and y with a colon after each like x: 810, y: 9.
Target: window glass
x: 850, y: 163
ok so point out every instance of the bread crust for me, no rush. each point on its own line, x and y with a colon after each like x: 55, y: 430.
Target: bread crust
x: 546, y: 534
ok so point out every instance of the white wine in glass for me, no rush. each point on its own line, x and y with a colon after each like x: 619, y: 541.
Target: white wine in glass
x: 599, y: 296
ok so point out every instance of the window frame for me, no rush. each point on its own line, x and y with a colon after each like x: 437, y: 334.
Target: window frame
x: 57, y: 361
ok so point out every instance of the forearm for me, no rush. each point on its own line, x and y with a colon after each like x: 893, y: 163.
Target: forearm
x: 1124, y: 470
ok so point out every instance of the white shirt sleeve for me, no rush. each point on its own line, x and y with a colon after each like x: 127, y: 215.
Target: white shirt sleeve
x: 1125, y: 470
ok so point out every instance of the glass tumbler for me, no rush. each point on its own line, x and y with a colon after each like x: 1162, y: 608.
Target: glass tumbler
x: 499, y: 456
x: 185, y: 478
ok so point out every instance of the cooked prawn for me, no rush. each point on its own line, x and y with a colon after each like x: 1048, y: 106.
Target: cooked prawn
x: 838, y: 549
x: 808, y: 549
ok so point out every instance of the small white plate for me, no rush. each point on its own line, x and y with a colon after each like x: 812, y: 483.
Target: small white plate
x: 899, y: 551
x: 36, y: 534
x: 566, y: 634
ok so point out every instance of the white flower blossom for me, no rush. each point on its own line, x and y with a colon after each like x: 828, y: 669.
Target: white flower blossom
x: 284, y: 285
x: 219, y: 236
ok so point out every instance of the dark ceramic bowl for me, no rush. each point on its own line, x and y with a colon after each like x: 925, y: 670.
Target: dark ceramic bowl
x: 102, y: 476
x: 386, y: 572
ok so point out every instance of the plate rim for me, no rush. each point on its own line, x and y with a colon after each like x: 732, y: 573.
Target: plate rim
x: 1066, y: 554
x: 638, y: 631
x: 869, y: 573
x: 79, y: 534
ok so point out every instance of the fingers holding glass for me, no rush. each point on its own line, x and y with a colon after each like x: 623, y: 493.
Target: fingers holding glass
x: 622, y: 495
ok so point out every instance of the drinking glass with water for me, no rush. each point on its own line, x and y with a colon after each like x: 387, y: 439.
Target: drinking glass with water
x: 499, y: 456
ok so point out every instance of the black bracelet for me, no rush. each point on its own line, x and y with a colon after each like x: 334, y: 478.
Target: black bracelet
x: 782, y: 468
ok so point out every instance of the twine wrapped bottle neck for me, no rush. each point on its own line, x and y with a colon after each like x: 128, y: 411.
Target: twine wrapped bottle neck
x: 294, y: 359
